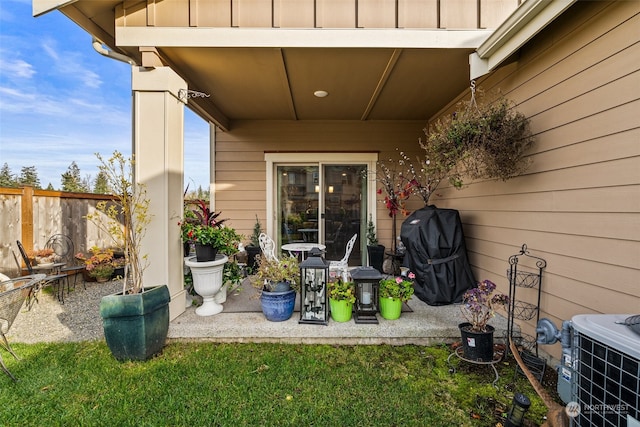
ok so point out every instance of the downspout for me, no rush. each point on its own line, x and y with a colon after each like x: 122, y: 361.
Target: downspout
x: 98, y: 47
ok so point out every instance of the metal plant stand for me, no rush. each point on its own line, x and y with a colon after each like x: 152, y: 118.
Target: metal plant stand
x: 498, y: 354
x: 522, y: 276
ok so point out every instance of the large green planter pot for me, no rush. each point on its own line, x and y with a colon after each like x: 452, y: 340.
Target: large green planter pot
x: 136, y: 325
x: 340, y: 310
x: 390, y: 308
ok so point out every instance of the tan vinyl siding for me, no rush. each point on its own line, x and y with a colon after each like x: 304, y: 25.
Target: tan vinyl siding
x: 210, y: 13
x: 376, y: 14
x: 241, y: 169
x: 578, y: 206
x: 294, y: 13
x: 452, y: 14
x: 459, y: 14
x: 422, y: 14
x: 494, y: 12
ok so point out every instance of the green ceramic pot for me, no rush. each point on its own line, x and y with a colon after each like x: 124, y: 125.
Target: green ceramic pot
x: 136, y: 325
x: 390, y: 308
x: 340, y: 310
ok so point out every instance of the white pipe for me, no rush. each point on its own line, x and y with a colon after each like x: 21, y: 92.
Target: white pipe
x: 98, y: 47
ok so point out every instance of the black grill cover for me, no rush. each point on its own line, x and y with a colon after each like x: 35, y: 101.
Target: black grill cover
x: 437, y: 255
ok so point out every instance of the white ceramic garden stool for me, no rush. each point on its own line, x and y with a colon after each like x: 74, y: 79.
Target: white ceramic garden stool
x: 207, y: 281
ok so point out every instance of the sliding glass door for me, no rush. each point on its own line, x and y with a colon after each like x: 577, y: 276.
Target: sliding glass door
x: 345, y: 209
x: 298, y: 203
x: 321, y: 198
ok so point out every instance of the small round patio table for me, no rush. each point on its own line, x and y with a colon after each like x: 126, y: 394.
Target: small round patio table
x: 301, y: 249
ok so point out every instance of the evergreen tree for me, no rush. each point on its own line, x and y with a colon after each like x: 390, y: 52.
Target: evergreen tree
x: 29, y: 176
x: 6, y: 177
x: 71, y: 180
x: 86, y: 183
x: 50, y: 187
x: 101, y: 184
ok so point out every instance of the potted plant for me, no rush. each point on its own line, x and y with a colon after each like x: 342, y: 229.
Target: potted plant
x: 42, y: 257
x: 478, y: 307
x: 100, y: 265
x: 342, y: 296
x: 375, y: 251
x: 253, y: 248
x: 393, y: 292
x: 277, y: 282
x: 215, y: 244
x: 135, y: 320
x: 203, y: 227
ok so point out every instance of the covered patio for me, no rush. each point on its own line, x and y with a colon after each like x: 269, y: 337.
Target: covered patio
x: 251, y: 72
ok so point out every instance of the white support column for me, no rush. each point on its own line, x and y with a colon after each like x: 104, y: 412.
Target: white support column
x: 212, y: 166
x: 158, y: 146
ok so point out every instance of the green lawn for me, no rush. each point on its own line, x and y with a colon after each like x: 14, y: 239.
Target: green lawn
x: 209, y: 384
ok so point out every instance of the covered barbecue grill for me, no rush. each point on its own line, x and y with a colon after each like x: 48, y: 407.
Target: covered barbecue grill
x: 437, y: 255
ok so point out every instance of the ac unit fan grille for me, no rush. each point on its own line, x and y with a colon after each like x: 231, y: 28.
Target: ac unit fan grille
x: 608, y: 384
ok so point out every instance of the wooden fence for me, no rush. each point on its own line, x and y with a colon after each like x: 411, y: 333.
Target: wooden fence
x: 32, y: 216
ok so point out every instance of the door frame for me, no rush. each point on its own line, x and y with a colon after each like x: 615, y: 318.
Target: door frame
x: 276, y: 159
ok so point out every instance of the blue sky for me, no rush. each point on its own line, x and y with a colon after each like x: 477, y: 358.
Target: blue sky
x: 60, y: 101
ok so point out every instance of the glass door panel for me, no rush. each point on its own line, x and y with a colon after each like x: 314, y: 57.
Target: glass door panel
x: 345, y: 209
x: 298, y: 189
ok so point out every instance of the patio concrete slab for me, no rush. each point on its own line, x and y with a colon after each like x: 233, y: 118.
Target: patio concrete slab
x: 425, y: 325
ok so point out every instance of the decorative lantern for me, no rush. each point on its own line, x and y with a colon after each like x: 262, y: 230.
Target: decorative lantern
x: 367, y: 280
x: 519, y: 407
x: 314, y: 272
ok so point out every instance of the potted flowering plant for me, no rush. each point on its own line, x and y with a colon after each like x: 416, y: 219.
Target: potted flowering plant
x: 42, y: 256
x: 209, y: 233
x: 100, y: 265
x: 342, y: 296
x: 215, y: 243
x: 275, y: 275
x: 478, y: 307
x: 393, y: 292
x: 278, y: 282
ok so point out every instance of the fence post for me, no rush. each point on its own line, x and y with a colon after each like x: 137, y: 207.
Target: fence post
x: 27, y: 217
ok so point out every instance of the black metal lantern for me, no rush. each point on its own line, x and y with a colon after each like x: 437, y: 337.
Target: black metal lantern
x: 367, y: 280
x: 314, y: 273
x: 519, y: 407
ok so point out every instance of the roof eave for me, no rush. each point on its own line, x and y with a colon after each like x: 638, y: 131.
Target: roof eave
x: 520, y: 27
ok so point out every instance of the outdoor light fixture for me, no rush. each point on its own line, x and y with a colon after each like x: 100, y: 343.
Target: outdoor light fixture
x: 320, y: 93
x: 519, y: 407
x: 314, y: 272
x: 367, y: 280
x: 331, y: 189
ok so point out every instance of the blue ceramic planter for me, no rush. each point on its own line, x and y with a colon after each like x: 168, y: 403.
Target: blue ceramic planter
x: 278, y: 306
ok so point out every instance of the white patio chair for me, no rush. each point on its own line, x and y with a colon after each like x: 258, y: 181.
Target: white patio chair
x: 268, y: 247
x: 342, y: 267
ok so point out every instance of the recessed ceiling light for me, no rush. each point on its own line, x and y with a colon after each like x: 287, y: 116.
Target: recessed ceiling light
x: 321, y: 93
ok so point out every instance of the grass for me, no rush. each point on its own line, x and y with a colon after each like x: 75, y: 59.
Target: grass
x: 202, y: 383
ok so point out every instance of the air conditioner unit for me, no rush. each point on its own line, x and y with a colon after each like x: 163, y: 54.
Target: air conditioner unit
x: 600, y: 368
